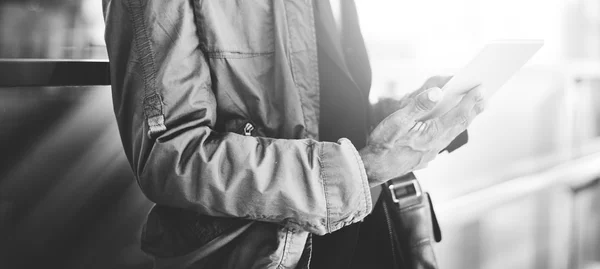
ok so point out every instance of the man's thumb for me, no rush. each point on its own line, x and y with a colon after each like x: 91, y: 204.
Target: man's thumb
x: 427, y: 100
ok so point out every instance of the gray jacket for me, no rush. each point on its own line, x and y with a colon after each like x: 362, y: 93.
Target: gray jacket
x: 217, y: 104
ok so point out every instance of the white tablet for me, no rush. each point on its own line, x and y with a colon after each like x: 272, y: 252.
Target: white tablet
x: 491, y: 68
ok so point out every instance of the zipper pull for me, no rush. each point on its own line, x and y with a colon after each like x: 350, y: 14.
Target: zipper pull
x: 248, y: 129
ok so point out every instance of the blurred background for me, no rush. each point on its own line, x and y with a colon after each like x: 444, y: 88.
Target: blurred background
x: 522, y: 193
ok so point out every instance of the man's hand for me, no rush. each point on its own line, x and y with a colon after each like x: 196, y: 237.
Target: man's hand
x: 401, y: 144
x: 387, y: 106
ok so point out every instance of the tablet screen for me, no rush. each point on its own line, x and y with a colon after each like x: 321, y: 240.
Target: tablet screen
x: 497, y: 62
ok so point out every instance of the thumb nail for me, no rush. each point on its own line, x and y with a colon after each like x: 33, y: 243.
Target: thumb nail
x: 435, y: 94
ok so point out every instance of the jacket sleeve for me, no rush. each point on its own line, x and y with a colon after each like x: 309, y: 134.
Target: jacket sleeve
x: 162, y: 85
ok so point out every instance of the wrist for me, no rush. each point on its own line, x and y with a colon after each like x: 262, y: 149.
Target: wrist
x: 372, y: 166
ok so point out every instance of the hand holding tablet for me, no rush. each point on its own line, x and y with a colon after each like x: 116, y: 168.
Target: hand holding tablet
x: 395, y: 148
x: 491, y: 68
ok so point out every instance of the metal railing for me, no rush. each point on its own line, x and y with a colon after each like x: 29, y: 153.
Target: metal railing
x: 576, y: 175
x: 53, y: 73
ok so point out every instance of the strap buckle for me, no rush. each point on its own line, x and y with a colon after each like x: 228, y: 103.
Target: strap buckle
x: 406, y: 189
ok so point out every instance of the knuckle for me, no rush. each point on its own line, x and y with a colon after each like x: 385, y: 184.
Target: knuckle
x: 477, y: 95
x: 420, y: 105
x: 464, y: 121
x: 479, y: 107
x: 432, y: 130
x: 409, y: 107
x: 461, y: 113
x: 461, y: 121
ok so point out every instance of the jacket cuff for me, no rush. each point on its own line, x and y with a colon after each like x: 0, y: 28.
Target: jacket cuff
x: 344, y: 179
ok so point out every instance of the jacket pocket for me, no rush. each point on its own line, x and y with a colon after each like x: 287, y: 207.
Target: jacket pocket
x: 235, y: 28
x: 171, y: 232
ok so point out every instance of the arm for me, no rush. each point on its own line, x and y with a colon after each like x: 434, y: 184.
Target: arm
x: 304, y: 184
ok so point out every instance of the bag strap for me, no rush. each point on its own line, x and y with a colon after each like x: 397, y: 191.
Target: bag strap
x: 405, y: 191
x: 437, y: 232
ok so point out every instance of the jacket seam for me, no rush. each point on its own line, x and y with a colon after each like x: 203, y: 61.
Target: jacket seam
x: 236, y: 54
x: 291, y: 62
x: 278, y: 219
x: 289, y: 47
x: 244, y: 112
x: 363, y: 179
x: 142, y: 42
x: 152, y: 102
x: 325, y: 193
x: 285, y: 251
x: 315, y: 65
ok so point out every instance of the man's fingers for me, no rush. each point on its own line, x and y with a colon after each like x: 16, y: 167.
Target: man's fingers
x: 404, y: 119
x: 436, y: 81
x: 461, y: 116
x: 432, y: 82
x: 425, y: 101
x: 476, y: 95
x: 458, y: 128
